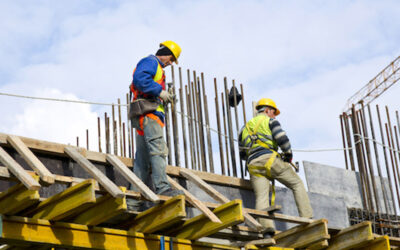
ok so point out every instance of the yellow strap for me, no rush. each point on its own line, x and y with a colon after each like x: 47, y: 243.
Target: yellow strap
x: 273, y: 193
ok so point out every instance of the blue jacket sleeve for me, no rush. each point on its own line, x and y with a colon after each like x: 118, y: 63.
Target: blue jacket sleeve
x: 143, y: 77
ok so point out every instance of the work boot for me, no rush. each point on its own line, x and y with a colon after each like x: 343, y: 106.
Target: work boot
x: 135, y: 205
x: 171, y: 192
x: 269, y: 235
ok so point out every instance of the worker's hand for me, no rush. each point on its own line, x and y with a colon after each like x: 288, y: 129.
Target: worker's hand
x: 287, y: 156
x: 166, y: 96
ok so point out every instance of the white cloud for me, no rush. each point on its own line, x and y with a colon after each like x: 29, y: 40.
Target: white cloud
x: 308, y: 57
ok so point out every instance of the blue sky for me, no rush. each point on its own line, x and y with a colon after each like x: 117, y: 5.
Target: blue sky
x: 309, y: 56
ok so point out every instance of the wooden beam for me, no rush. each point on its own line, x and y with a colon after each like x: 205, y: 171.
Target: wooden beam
x: 17, y: 198
x: 195, y: 202
x: 94, y: 172
x: 105, y: 208
x: 380, y: 243
x: 18, y: 171
x: 160, y: 216
x: 249, y: 220
x: 31, y: 159
x: 262, y: 242
x: 200, y: 226
x: 68, y: 203
x: 58, y: 149
x: 319, y: 245
x: 303, y: 236
x: 23, y: 231
x: 132, y: 178
x: 352, y: 237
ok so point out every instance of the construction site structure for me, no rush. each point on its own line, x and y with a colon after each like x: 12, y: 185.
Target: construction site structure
x: 60, y: 196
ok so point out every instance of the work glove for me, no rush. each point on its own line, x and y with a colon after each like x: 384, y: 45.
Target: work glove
x: 166, y: 96
x: 287, y: 156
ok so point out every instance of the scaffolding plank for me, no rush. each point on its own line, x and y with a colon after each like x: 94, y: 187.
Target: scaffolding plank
x: 70, y: 202
x: 319, y: 245
x: 380, y: 243
x: 303, y: 235
x: 160, y: 216
x: 94, y: 172
x: 230, y: 214
x: 217, y: 196
x: 195, y: 202
x: 132, y: 178
x: 17, y: 198
x: 18, y: 171
x: 352, y: 237
x: 19, y: 230
x: 105, y: 208
x: 31, y: 159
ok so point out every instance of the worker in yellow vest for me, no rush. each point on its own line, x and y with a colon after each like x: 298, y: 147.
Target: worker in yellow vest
x: 259, y: 140
x: 148, y: 97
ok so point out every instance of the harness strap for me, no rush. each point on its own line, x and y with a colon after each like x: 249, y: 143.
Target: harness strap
x: 151, y: 116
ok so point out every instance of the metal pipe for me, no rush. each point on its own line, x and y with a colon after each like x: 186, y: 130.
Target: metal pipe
x: 368, y: 150
x: 344, y: 142
x: 124, y: 138
x: 87, y: 139
x: 195, y: 125
x: 244, y: 118
x: 77, y: 141
x: 349, y: 144
x: 183, y: 118
x: 99, y: 133
x: 115, y: 142
x: 365, y: 168
x: 209, y: 142
x: 225, y: 134
x: 120, y: 127
x: 167, y: 133
x: 357, y: 141
x: 201, y: 130
x: 378, y: 166
x: 175, y: 123
x: 237, y: 124
x: 128, y: 127
x: 387, y: 162
x: 107, y: 132
x: 221, y: 149
x: 393, y: 165
x: 231, y: 142
x: 190, y: 128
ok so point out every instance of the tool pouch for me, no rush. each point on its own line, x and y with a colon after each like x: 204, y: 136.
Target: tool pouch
x: 141, y: 107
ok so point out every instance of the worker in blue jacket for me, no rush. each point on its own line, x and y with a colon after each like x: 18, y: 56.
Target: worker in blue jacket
x: 148, y: 88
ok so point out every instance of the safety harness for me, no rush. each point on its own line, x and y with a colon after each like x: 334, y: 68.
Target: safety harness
x: 261, y: 139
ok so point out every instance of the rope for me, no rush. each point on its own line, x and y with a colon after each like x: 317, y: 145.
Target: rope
x: 361, y: 137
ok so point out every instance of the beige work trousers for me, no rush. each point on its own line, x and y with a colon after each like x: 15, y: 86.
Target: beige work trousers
x: 284, y: 173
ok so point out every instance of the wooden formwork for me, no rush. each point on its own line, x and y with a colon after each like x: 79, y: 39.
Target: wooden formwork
x: 76, y: 217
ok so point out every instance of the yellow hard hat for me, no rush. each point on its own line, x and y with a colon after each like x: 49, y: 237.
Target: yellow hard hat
x: 268, y: 102
x: 174, y: 48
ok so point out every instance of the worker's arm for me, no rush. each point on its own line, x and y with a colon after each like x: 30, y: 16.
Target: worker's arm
x: 279, y: 135
x: 143, y: 76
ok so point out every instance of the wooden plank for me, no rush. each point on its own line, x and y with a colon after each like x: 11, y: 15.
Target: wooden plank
x: 160, y: 216
x: 23, y: 231
x: 195, y: 202
x: 200, y: 226
x: 17, y: 198
x: 95, y: 172
x: 66, y: 204
x: 319, y: 245
x: 352, y: 237
x: 132, y: 178
x: 303, y: 236
x: 31, y: 159
x: 18, y: 171
x: 58, y: 149
x: 249, y: 220
x: 380, y: 243
x: 262, y: 242
x: 105, y: 208
x: 237, y: 232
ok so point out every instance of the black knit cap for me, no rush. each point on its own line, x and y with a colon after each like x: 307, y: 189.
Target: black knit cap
x: 163, y: 51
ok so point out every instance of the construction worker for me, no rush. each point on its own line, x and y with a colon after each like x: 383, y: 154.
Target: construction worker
x: 259, y: 140
x: 148, y: 97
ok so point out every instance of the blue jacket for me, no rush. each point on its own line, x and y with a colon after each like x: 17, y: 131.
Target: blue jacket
x: 143, y: 78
